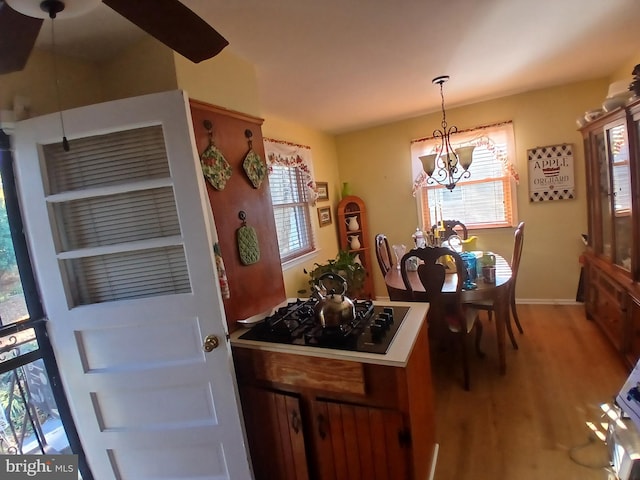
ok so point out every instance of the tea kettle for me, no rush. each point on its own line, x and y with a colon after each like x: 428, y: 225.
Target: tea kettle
x: 470, y: 244
x: 333, y: 309
x: 461, y: 244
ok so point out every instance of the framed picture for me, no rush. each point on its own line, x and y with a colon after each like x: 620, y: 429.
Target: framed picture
x: 551, y: 175
x: 323, y: 190
x: 324, y: 216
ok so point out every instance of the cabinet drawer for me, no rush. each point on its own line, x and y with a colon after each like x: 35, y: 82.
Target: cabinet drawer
x: 634, y: 338
x: 300, y: 371
x: 610, y: 311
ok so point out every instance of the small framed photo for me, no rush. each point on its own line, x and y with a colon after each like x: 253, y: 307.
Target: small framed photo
x: 323, y: 190
x: 324, y: 216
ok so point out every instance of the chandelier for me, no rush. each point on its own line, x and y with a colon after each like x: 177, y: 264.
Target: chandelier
x: 447, y: 166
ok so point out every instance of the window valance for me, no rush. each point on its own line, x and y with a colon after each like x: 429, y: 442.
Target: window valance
x: 280, y: 152
x: 496, y: 140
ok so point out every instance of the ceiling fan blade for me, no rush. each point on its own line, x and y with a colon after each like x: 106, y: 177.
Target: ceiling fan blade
x: 174, y: 25
x: 17, y: 36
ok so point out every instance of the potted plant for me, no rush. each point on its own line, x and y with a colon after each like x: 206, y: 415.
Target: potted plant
x: 347, y: 267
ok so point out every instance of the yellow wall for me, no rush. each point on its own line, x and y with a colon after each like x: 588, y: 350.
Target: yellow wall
x: 376, y: 162
x: 225, y: 80
x: 325, y: 164
x: 624, y: 71
x: 79, y: 84
x: 146, y: 67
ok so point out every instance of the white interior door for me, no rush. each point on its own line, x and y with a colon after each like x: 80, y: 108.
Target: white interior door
x: 121, y: 237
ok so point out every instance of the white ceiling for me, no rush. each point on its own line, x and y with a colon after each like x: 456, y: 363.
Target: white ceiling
x: 341, y: 65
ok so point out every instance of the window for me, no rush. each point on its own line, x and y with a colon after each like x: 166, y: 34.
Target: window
x: 486, y: 199
x: 291, y: 211
x: 292, y: 192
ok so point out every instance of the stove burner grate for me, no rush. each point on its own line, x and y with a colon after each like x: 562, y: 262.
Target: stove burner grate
x: 372, y: 329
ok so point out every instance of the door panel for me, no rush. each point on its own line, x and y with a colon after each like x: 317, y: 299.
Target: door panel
x: 130, y: 301
x: 277, y: 438
x: 359, y: 442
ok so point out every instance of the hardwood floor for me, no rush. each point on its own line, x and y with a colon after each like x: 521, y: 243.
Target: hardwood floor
x: 530, y: 423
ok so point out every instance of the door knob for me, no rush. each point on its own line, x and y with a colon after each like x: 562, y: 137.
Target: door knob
x: 210, y: 342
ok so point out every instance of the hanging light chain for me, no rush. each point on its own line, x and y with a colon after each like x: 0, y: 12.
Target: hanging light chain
x: 65, y: 142
x: 444, y: 114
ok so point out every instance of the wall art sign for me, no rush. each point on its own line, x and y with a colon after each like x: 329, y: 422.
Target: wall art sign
x: 551, y: 175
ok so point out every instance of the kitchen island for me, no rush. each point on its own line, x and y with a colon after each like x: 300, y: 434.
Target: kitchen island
x: 324, y: 413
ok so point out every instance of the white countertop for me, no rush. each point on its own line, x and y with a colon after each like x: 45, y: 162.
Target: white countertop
x: 396, y: 356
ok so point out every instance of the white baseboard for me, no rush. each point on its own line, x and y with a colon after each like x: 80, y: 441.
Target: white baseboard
x: 547, y: 301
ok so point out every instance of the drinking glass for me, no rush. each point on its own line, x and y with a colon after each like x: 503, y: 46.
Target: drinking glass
x: 399, y: 250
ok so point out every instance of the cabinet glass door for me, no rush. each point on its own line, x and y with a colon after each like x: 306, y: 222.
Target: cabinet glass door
x: 621, y: 195
x: 603, y: 246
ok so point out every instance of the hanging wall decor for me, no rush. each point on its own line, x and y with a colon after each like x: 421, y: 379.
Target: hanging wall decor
x: 322, y: 188
x: 248, y: 247
x: 215, y: 167
x: 551, y: 175
x: 253, y: 166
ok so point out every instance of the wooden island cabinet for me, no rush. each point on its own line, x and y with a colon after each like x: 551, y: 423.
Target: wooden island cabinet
x: 313, y: 413
x: 612, y: 258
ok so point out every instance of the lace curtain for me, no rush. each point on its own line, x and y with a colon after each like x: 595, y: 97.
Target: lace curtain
x: 287, y: 154
x: 496, y: 139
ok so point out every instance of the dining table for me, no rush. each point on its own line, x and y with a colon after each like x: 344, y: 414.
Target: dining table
x: 498, y: 292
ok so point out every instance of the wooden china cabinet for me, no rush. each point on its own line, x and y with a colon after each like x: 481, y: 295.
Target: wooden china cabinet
x: 612, y: 259
x: 353, y: 228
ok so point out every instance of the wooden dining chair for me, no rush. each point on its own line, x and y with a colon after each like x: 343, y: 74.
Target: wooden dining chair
x: 453, y: 227
x: 515, y: 266
x: 383, y: 253
x: 445, y: 309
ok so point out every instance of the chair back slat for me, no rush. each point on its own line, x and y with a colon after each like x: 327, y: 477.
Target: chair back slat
x: 431, y: 272
x: 517, y: 251
x: 383, y: 253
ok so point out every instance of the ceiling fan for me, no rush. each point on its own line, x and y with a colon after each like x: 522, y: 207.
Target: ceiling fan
x: 169, y: 21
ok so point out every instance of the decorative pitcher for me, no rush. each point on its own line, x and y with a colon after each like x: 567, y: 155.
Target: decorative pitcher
x: 418, y: 238
x: 354, y: 242
x: 352, y: 223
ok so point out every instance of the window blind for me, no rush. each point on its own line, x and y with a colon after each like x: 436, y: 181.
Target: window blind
x: 116, y: 243
x: 291, y: 212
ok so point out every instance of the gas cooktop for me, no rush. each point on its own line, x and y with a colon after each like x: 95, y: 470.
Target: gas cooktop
x: 372, y: 330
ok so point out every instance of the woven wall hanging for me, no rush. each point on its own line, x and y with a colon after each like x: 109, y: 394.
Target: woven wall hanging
x: 248, y: 246
x: 215, y: 167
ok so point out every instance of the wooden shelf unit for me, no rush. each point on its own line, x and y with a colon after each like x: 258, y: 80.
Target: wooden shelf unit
x: 352, y: 206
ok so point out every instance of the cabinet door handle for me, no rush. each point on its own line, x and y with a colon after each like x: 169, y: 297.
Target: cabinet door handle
x: 322, y: 426
x: 404, y: 437
x: 295, y: 421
